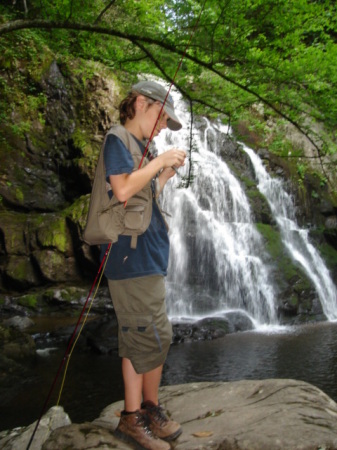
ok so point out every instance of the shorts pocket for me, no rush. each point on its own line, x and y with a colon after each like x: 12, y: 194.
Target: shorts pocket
x: 138, y: 333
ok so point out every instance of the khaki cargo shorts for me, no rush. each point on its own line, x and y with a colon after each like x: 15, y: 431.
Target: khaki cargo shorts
x: 144, y: 331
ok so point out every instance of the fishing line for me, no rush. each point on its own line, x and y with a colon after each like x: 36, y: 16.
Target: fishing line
x: 146, y: 150
x: 73, y: 341
x: 83, y: 323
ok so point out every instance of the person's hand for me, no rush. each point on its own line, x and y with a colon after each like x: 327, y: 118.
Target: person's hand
x: 173, y: 158
x: 168, y: 173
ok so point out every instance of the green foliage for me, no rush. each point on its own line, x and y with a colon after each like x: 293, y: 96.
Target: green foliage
x: 301, y: 169
x: 23, y: 60
x: 19, y: 194
x: 285, y: 264
x: 282, y: 54
x: 276, y: 250
x: 322, y: 179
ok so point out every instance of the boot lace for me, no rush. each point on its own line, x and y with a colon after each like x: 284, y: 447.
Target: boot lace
x: 158, y: 414
x: 144, y: 421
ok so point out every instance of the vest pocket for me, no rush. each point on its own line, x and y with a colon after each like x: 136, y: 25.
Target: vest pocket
x: 138, y: 212
x: 134, y: 217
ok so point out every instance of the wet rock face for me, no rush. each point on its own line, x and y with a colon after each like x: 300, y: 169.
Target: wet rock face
x: 34, y: 164
x: 211, y: 327
x: 330, y: 231
x: 62, y: 116
x: 52, y: 162
x: 46, y: 180
x: 38, y: 249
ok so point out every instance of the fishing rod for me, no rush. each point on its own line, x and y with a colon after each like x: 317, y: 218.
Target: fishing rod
x: 72, y: 341
x: 169, y: 89
x: 168, y: 93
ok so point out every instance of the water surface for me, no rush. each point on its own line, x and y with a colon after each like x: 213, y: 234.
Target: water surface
x: 307, y: 353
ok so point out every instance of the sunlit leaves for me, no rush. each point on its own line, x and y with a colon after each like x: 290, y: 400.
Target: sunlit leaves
x: 280, y: 52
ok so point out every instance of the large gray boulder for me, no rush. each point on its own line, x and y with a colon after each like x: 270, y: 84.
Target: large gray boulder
x: 19, y: 438
x: 269, y: 414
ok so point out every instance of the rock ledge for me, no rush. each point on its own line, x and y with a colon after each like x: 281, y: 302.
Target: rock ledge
x: 274, y: 414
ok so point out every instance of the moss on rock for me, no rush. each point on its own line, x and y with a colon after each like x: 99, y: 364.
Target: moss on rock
x: 286, y: 266
x: 56, y: 267
x: 78, y: 211
x: 29, y: 301
x: 53, y: 233
x: 65, y: 294
x: 19, y: 272
x: 13, y: 227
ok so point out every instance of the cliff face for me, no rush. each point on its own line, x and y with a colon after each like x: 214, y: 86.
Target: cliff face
x: 46, y: 173
x: 50, y: 143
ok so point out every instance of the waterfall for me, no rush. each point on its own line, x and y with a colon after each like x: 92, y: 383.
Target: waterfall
x: 296, y: 240
x: 217, y: 260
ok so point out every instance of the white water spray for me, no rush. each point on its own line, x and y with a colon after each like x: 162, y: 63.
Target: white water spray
x: 296, y: 240
x: 217, y: 260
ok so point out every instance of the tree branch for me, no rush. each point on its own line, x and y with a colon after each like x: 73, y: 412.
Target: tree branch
x: 104, y: 11
x: 165, y: 44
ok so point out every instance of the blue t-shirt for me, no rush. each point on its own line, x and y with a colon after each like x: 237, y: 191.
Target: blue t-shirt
x: 152, y: 252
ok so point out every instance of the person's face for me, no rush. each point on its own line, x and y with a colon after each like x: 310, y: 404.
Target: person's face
x: 149, y: 118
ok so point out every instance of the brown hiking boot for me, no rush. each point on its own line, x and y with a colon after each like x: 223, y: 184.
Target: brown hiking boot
x: 134, y: 429
x: 160, y: 424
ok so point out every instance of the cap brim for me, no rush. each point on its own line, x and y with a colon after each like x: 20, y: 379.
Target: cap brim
x: 173, y: 121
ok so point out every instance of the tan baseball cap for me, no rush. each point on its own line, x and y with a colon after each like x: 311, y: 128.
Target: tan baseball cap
x: 156, y: 91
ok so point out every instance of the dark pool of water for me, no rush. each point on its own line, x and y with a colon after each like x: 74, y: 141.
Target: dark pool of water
x: 307, y: 353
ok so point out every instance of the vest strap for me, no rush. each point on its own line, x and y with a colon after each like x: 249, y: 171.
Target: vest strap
x: 133, y: 243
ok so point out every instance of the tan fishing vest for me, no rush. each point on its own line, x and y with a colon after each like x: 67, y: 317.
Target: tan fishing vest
x: 109, y: 218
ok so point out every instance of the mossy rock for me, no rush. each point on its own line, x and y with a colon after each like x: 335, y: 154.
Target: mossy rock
x: 54, y: 233
x: 78, y: 211
x: 288, y: 273
x: 14, y: 228
x: 65, y: 294
x: 29, y: 301
x: 16, y: 344
x: 56, y: 267
x: 20, y: 273
x: 260, y: 207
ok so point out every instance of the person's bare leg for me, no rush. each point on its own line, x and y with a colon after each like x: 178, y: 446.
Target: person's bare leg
x: 133, y: 424
x: 151, y: 383
x: 160, y: 424
x: 133, y: 385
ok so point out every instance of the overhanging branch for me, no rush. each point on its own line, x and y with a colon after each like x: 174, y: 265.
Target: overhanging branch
x: 165, y: 44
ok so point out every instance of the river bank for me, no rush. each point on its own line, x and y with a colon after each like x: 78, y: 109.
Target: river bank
x: 199, y: 354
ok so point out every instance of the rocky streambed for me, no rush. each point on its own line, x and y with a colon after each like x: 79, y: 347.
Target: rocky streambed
x: 35, y: 328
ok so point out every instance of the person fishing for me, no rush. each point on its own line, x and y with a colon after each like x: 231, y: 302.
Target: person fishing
x: 138, y: 261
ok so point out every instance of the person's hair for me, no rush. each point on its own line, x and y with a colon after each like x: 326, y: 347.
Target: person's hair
x: 127, y: 106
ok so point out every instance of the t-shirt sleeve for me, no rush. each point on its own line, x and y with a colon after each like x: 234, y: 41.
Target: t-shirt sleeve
x: 117, y: 158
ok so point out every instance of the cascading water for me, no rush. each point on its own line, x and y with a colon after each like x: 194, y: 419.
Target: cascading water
x: 217, y: 256
x: 296, y: 240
